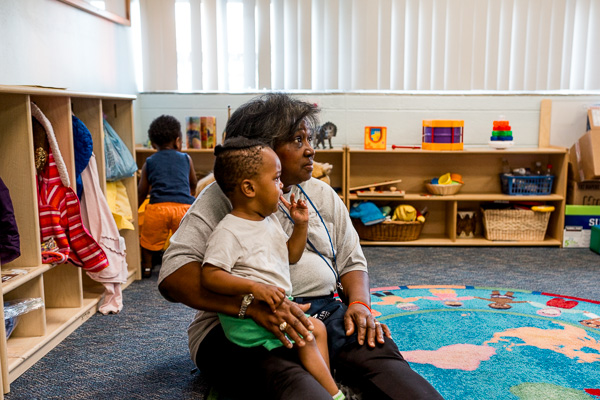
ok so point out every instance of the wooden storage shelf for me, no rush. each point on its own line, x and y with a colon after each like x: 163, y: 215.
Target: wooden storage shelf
x: 70, y: 297
x: 480, y: 168
x: 32, y: 272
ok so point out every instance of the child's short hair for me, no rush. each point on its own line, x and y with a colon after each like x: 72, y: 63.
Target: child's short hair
x: 237, y: 159
x: 164, y: 130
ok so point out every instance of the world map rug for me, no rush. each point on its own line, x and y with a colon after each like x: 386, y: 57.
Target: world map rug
x: 485, y: 343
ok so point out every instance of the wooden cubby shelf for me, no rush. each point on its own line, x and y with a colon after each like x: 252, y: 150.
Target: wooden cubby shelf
x: 70, y: 297
x: 480, y: 168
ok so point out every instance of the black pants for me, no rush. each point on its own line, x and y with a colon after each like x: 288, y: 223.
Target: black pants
x: 380, y: 372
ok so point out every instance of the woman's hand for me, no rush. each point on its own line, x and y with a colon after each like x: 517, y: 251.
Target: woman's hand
x: 270, y: 294
x: 289, y: 316
x: 359, y: 318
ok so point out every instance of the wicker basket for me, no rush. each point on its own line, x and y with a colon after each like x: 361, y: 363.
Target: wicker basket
x: 389, y: 231
x: 516, y: 225
x: 443, y: 190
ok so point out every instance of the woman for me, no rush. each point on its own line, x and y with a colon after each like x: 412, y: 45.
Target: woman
x: 359, y: 352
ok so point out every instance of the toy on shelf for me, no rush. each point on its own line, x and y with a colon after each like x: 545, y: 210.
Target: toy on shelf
x: 382, y: 189
x: 447, y: 184
x: 375, y: 137
x: 407, y: 213
x: 325, y: 132
x: 193, y: 133
x: 502, y: 137
x: 208, y: 128
x: 322, y: 171
x: 466, y: 224
x: 443, y: 134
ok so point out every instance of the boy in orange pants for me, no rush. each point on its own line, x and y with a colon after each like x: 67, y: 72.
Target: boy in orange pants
x: 170, y: 178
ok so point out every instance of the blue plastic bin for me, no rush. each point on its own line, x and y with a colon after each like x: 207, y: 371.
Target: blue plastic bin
x: 529, y: 185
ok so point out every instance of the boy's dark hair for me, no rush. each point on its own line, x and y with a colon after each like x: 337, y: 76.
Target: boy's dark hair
x: 237, y: 159
x: 164, y: 130
x: 272, y: 118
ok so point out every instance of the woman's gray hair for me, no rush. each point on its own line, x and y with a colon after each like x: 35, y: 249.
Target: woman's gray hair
x: 272, y: 118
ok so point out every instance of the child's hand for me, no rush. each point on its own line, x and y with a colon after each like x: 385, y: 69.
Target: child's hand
x: 270, y: 294
x: 298, y: 209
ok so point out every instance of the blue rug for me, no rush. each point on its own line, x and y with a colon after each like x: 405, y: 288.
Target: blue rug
x: 495, y: 343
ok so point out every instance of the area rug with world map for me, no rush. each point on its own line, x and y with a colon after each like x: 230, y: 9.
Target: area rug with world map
x: 485, y: 343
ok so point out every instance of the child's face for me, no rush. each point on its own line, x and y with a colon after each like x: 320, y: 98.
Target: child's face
x: 268, y: 184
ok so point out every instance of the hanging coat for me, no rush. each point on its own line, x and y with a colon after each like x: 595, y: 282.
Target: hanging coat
x: 59, y: 209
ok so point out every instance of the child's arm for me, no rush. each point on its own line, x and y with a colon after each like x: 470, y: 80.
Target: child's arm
x: 143, y: 186
x: 193, y: 179
x: 220, y: 281
x: 298, y: 211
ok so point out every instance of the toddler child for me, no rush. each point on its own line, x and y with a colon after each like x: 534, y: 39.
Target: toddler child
x: 249, y: 254
x: 170, y: 178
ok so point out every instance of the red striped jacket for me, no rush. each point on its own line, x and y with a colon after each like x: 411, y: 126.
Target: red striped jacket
x: 60, y: 217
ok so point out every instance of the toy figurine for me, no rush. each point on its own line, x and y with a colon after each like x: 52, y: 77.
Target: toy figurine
x: 325, y: 132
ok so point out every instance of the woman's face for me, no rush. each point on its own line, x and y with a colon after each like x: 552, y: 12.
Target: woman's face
x: 296, y: 158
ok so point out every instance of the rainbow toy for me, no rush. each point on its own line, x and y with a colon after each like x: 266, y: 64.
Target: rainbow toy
x: 502, y: 136
x: 501, y: 131
x: 443, y: 135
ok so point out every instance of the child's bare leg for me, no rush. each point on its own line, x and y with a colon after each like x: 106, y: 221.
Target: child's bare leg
x: 315, y: 357
x: 146, y: 262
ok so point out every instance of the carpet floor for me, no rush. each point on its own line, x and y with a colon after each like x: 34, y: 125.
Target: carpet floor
x: 141, y: 353
x: 495, y: 343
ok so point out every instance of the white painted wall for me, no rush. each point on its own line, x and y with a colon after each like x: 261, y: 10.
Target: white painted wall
x: 49, y: 43
x: 401, y: 113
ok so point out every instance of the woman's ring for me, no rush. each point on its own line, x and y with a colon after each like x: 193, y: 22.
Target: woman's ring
x: 283, y: 326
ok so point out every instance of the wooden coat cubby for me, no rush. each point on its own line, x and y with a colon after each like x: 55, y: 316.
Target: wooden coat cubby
x: 70, y: 296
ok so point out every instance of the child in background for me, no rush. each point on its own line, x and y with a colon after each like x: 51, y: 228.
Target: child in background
x: 170, y: 178
x: 249, y: 254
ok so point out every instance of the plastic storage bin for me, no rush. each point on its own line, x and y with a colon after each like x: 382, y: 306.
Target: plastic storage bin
x: 526, y: 185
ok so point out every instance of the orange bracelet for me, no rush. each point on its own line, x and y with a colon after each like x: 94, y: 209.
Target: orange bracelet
x: 360, y: 302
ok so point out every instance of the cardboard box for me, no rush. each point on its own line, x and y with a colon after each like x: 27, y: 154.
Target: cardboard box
x: 578, y: 225
x: 593, y: 120
x: 585, y: 157
x: 583, y: 193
